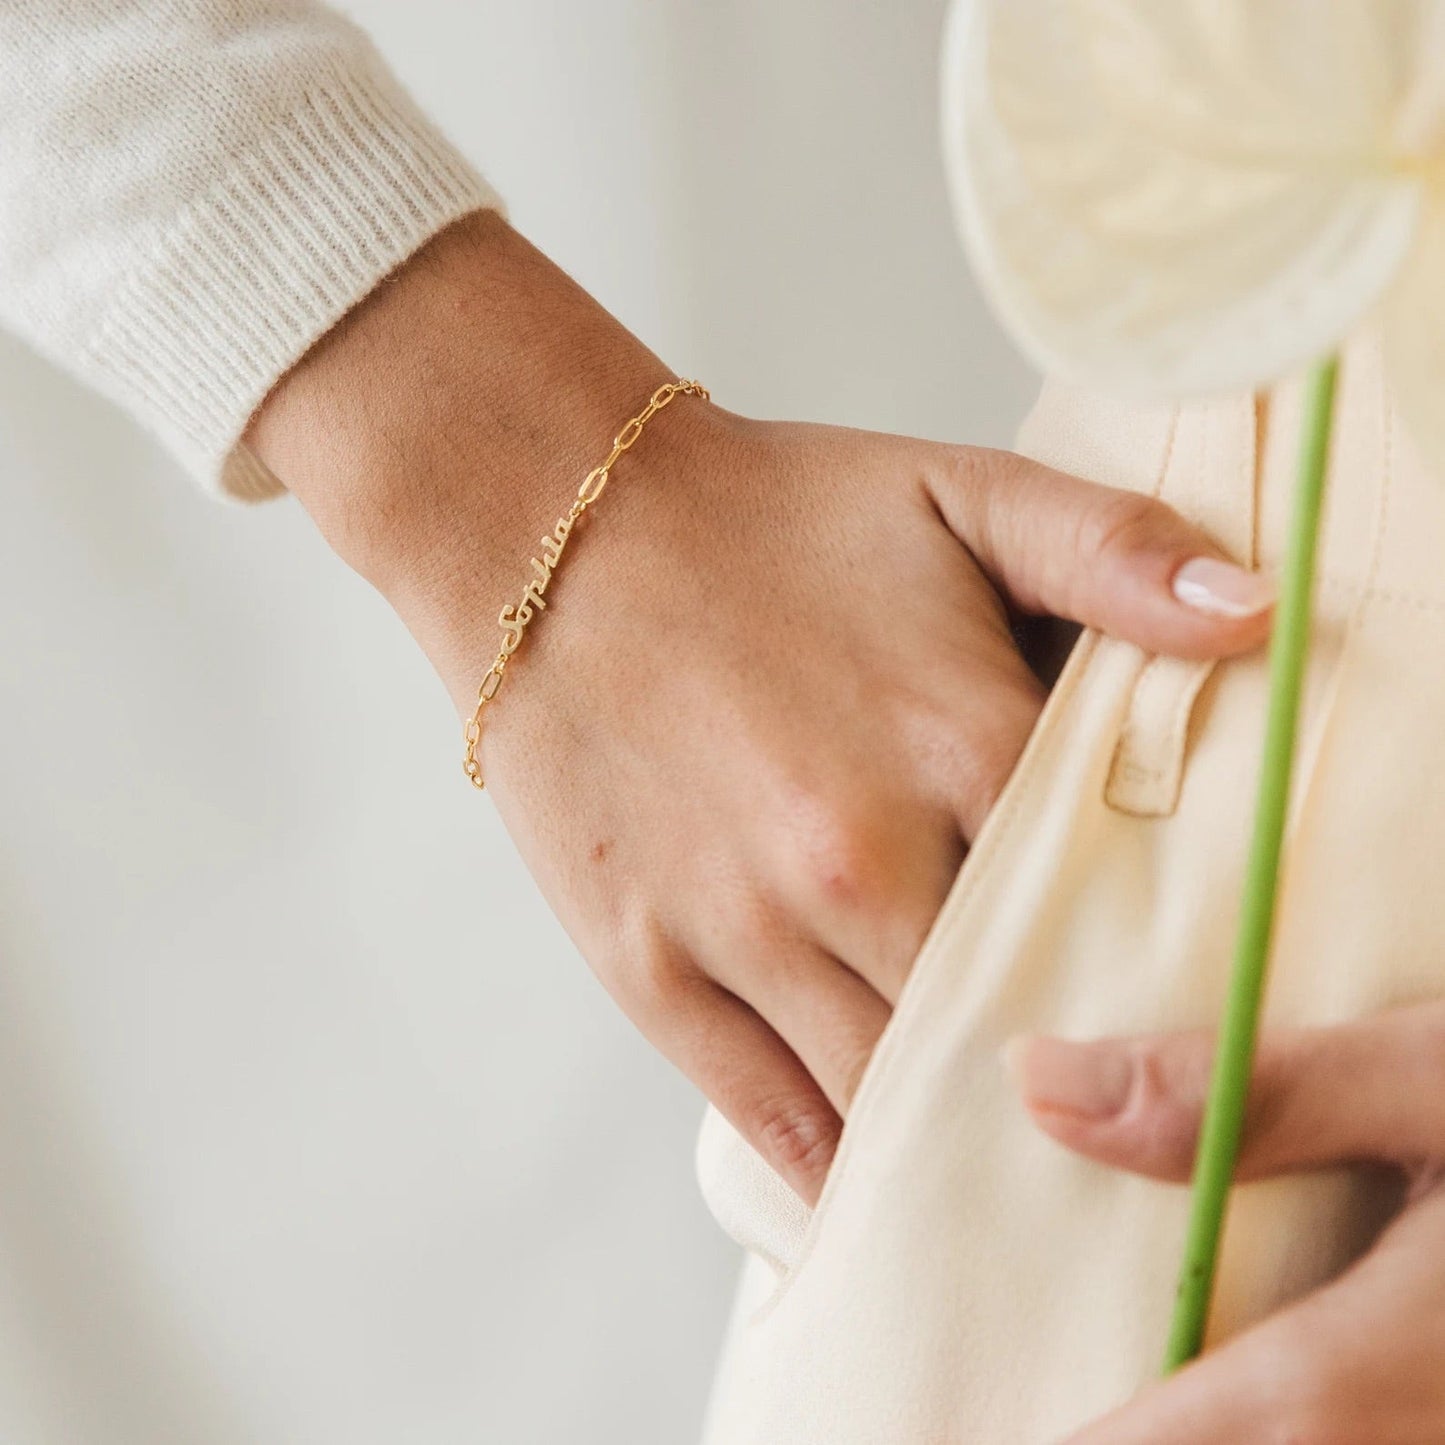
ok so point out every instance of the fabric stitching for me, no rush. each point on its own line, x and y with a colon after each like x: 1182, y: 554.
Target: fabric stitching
x: 1120, y: 762
x: 1132, y: 786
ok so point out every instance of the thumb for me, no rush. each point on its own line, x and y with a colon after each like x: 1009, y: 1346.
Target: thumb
x: 1110, y: 559
x: 1369, y: 1091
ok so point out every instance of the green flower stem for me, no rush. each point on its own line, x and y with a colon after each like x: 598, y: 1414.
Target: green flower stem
x: 1234, y: 1060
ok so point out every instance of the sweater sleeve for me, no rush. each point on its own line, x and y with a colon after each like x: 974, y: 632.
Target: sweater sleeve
x: 194, y: 191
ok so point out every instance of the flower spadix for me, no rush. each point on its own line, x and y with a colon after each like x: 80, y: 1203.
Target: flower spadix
x: 1173, y: 198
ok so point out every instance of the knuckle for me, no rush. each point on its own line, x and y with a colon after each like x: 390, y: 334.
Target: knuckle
x: 987, y: 757
x: 970, y: 471
x: 997, y: 483
x: 840, y: 1047
x: 797, y: 1135
x: 837, y: 857
x: 1121, y: 523
x: 1169, y: 1112
x: 992, y: 467
x: 851, y: 1053
x: 653, y: 971
x: 980, y: 490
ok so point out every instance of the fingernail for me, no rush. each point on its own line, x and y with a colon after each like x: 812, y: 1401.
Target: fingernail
x: 1220, y: 589
x: 1090, y: 1081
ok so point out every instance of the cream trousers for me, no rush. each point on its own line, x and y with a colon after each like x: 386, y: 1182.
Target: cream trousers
x: 963, y: 1278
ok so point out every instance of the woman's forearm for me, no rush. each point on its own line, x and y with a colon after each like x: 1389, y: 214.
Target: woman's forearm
x: 437, y: 431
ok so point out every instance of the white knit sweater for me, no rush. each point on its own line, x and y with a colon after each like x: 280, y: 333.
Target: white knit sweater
x: 193, y: 191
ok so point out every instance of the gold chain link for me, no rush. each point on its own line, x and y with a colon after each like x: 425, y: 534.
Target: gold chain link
x: 514, y: 618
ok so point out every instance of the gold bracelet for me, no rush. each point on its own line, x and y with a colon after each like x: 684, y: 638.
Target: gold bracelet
x: 513, y: 619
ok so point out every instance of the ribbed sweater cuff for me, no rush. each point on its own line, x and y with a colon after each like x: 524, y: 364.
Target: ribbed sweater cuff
x: 347, y: 185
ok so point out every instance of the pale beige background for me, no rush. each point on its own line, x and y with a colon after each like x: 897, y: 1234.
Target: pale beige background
x: 313, y: 1127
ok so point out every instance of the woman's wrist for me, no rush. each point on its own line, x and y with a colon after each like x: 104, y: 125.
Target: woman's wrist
x: 434, y: 433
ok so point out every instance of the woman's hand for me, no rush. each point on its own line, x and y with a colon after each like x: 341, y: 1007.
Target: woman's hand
x: 1359, y: 1362
x: 774, y: 692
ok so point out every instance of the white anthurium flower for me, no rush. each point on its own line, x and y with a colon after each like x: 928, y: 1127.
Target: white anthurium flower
x: 1173, y: 198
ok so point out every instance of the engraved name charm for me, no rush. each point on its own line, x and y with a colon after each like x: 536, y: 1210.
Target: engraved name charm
x: 513, y: 620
